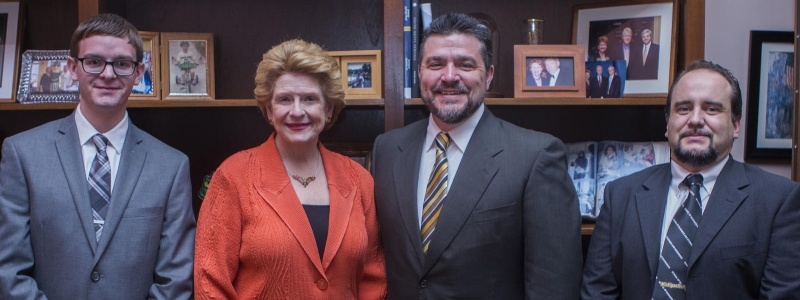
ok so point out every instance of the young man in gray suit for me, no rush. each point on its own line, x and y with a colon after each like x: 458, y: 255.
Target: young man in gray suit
x: 471, y: 206
x: 92, y: 207
x: 703, y: 226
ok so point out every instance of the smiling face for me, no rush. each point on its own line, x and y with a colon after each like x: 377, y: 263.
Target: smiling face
x: 297, y: 110
x: 646, y: 37
x: 599, y: 70
x: 536, y: 69
x: 107, y: 92
x: 611, y: 70
x: 602, y: 47
x: 701, y: 127
x: 453, y: 78
x: 552, y: 65
x: 627, y: 35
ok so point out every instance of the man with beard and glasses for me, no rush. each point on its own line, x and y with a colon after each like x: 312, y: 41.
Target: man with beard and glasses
x: 703, y: 226
x: 471, y: 206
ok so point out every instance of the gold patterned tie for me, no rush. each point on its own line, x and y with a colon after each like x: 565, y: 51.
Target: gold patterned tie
x: 435, y: 191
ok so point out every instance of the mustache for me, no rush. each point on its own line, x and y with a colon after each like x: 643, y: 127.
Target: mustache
x: 450, y: 85
x: 695, y: 132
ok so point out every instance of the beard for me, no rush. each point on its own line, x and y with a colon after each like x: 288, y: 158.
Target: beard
x: 700, y: 158
x: 449, y: 114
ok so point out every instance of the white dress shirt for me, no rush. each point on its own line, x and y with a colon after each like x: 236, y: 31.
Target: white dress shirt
x: 678, y: 191
x: 459, y: 139
x: 116, y: 140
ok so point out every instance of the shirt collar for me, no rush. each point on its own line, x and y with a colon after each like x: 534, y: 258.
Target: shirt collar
x: 115, y: 136
x: 459, y: 136
x: 709, y: 174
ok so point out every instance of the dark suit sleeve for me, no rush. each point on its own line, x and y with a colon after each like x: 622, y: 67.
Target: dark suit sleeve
x: 780, y: 279
x: 599, y: 281
x: 173, y: 270
x: 552, y: 228
x: 16, y: 252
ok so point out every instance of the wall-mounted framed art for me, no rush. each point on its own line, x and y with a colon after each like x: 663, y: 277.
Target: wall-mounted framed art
x: 361, y: 73
x: 45, y: 78
x: 549, y: 71
x: 643, y: 35
x: 149, y: 86
x: 770, y: 99
x: 187, y: 64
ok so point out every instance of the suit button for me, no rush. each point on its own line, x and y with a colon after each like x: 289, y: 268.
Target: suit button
x: 95, y: 276
x: 322, y: 284
x: 423, y: 283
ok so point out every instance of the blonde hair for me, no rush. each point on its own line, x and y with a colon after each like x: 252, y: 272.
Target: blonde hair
x: 299, y: 56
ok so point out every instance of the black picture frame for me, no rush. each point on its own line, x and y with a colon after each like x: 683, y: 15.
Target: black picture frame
x: 770, y: 102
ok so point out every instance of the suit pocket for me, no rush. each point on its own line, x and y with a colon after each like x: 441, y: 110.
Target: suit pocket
x: 494, y: 213
x: 744, y: 250
x: 146, y: 212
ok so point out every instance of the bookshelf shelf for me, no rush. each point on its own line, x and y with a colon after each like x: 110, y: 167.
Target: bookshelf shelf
x: 171, y: 104
x: 564, y: 101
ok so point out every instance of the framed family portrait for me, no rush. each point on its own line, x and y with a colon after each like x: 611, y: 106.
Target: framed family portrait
x: 149, y: 87
x: 45, y: 78
x: 9, y: 48
x: 361, y: 73
x: 187, y: 64
x: 549, y: 71
x: 770, y: 95
x: 641, y: 35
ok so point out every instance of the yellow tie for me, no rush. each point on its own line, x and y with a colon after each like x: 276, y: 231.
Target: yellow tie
x: 435, y: 191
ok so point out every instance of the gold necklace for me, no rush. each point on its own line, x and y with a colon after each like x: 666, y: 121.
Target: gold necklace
x: 305, y: 181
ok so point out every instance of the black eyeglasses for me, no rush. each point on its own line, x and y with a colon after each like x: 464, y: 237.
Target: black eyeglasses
x: 122, y: 67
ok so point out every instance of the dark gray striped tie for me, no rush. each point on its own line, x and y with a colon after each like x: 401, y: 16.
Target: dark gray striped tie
x: 673, y: 264
x: 100, y: 184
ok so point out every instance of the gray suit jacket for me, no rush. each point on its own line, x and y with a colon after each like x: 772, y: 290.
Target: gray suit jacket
x: 746, y: 246
x: 510, y: 226
x: 48, y: 248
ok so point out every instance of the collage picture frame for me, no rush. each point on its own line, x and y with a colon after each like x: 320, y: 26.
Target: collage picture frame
x: 641, y: 35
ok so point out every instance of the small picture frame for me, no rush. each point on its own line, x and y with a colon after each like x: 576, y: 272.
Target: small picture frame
x: 549, y: 71
x: 187, y: 65
x: 770, y: 95
x: 361, y: 73
x: 643, y: 35
x: 149, y: 87
x: 10, y: 37
x: 45, y: 78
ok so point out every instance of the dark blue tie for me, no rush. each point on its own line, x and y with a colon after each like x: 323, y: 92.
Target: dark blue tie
x: 673, y: 264
x: 99, y: 184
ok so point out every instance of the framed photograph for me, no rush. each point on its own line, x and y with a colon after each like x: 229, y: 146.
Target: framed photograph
x: 10, y: 38
x: 187, y: 62
x: 770, y: 95
x: 642, y: 35
x: 605, y: 79
x: 45, y: 78
x: 149, y: 87
x: 549, y: 71
x: 361, y: 73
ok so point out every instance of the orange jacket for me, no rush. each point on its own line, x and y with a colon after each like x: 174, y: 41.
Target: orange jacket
x: 254, y: 240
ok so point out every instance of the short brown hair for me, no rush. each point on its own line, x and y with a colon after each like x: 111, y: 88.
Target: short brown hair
x: 107, y: 24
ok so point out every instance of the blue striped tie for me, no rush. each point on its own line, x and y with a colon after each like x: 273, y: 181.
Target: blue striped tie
x: 100, y: 184
x: 673, y: 267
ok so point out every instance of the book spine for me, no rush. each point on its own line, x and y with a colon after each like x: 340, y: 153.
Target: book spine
x: 415, y: 35
x: 407, y: 48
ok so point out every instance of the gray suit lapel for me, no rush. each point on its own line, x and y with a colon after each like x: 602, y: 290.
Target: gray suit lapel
x: 650, y: 203
x: 406, y: 174
x: 131, y: 162
x: 69, y: 152
x: 477, y: 168
x: 725, y: 199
